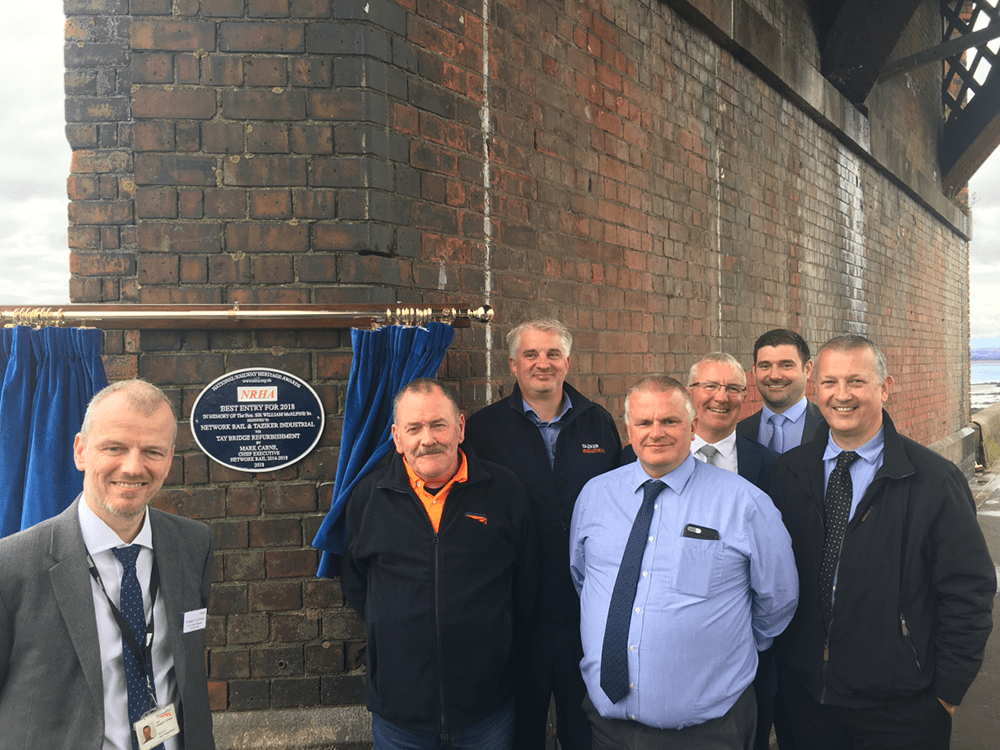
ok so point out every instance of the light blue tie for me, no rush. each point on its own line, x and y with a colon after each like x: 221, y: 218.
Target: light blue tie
x: 777, y: 435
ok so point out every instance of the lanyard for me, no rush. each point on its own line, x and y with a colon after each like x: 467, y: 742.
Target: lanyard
x: 143, y: 655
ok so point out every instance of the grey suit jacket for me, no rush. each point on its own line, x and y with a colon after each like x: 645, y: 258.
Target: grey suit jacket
x: 51, y: 691
x: 750, y: 427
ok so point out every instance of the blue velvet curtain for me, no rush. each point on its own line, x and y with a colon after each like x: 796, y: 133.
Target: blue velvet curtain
x: 49, y: 375
x: 384, y: 361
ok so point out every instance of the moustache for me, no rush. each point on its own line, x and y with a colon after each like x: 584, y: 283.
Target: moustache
x: 431, y: 451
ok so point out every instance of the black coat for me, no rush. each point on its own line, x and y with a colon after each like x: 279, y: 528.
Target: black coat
x: 441, y: 610
x: 915, y: 582
x: 588, y: 445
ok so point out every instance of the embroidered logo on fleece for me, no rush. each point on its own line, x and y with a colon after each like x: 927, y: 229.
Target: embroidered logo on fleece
x: 474, y: 517
x: 592, y: 448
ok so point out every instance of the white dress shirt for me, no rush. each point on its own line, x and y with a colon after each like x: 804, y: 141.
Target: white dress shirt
x: 100, y: 539
x: 727, y: 452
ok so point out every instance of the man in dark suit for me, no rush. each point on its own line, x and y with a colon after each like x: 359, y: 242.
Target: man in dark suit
x: 717, y: 385
x: 77, y: 590
x: 782, y: 366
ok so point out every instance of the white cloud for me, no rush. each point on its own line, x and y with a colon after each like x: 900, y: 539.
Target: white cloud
x: 34, y: 256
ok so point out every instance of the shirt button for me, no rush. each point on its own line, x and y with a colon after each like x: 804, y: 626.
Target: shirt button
x: 633, y: 717
x: 638, y: 609
x: 650, y: 538
x: 645, y: 573
x: 632, y: 685
x: 631, y: 648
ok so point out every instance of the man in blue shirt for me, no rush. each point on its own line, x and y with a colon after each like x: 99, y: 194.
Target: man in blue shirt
x: 669, y: 655
x: 782, y: 367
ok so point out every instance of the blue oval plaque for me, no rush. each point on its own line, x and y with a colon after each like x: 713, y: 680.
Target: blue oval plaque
x: 257, y: 419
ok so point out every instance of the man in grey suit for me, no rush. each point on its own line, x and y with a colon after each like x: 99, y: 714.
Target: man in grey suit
x: 782, y: 366
x: 74, y: 673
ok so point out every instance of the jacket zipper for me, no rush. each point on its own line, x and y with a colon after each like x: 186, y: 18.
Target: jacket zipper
x: 906, y: 635
x: 443, y: 725
x: 438, y: 646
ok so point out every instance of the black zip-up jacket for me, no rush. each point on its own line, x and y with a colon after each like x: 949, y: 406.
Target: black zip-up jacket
x: 441, y: 610
x: 588, y: 445
x: 915, y: 582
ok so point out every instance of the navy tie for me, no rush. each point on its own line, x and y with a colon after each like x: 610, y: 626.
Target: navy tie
x: 614, y: 652
x: 132, y: 610
x: 839, y: 495
x: 777, y: 442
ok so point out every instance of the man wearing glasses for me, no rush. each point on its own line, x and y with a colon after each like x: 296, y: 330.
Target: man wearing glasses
x: 782, y: 366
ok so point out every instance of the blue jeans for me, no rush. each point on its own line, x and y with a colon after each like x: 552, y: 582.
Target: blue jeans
x: 495, y: 732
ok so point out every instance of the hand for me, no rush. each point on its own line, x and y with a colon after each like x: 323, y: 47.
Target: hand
x: 949, y: 707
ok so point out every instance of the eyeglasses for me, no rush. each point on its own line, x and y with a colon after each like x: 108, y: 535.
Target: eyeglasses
x: 731, y: 389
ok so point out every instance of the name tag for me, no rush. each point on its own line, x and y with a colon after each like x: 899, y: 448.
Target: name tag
x: 156, y: 726
x: 195, y: 620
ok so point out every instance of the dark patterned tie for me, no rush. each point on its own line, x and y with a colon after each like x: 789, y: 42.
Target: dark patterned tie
x: 131, y: 608
x: 777, y: 442
x: 839, y: 493
x: 614, y: 653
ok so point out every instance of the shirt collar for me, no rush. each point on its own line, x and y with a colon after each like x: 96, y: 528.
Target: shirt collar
x: 99, y: 537
x: 417, y: 484
x: 564, y: 407
x: 792, y: 413
x: 675, y: 479
x: 869, y: 452
x: 726, y: 446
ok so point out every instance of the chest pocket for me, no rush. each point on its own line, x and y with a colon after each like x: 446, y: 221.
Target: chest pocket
x: 697, y: 566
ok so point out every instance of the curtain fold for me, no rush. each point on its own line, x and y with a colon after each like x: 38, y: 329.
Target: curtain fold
x: 49, y: 376
x: 384, y: 361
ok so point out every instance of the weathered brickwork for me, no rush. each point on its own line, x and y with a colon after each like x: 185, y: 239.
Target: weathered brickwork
x: 637, y: 181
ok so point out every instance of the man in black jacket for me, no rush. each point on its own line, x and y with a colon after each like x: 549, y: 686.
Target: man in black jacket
x: 890, y: 527
x: 555, y: 440
x: 440, y: 565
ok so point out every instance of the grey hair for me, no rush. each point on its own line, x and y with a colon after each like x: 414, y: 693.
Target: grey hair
x: 723, y: 359
x: 548, y: 325
x: 661, y: 384
x: 142, y: 396
x: 851, y: 341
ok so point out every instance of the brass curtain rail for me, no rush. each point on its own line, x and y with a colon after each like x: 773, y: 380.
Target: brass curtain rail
x: 212, y: 317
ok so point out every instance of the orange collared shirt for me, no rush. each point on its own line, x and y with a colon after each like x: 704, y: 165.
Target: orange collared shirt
x: 434, y: 504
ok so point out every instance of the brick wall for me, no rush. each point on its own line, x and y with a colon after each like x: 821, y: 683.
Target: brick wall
x: 640, y: 182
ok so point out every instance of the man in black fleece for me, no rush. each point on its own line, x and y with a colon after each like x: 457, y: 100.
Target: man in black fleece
x: 554, y: 440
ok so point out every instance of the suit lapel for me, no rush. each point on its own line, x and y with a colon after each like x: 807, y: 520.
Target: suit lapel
x: 747, y: 460
x: 74, y: 596
x: 168, y: 552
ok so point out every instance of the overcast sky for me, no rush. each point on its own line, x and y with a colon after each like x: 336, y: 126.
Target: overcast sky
x: 34, y: 164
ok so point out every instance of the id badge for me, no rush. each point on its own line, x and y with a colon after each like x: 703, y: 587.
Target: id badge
x: 156, y: 726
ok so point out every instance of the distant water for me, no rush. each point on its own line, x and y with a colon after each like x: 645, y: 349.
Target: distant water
x: 985, y: 371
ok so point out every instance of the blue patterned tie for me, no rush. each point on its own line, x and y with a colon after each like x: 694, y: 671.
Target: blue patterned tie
x: 614, y: 652
x: 777, y: 442
x: 132, y: 610
x: 839, y: 496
